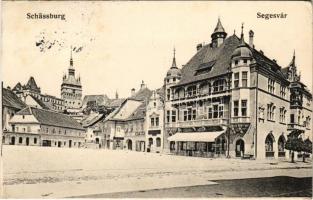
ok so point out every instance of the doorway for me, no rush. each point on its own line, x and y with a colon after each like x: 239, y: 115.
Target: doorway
x: 27, y: 141
x: 240, y: 148
x: 12, y: 140
x: 59, y: 144
x: 70, y: 143
x: 129, y: 145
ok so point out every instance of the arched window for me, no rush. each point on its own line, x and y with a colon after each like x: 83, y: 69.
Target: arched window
x: 150, y: 141
x: 172, y: 145
x: 181, y: 93
x: 210, y: 88
x: 269, y: 151
x: 191, y: 91
x: 158, y: 142
x: 222, y: 85
x: 215, y: 86
x: 281, y: 146
x: 20, y: 140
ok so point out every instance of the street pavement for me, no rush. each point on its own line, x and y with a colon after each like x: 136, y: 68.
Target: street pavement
x: 37, y: 172
x: 279, y: 186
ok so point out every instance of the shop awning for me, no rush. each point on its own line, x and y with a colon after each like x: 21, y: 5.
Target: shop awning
x: 196, y: 136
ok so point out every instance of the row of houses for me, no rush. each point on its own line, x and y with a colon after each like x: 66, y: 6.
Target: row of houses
x: 228, y: 100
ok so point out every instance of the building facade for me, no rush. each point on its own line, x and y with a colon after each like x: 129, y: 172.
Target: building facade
x: 40, y: 127
x: 230, y: 100
x: 155, y: 122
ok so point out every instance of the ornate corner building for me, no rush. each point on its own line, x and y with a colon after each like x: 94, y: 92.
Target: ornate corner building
x: 232, y: 100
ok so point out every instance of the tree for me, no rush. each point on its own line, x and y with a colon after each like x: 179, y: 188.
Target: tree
x: 294, y: 143
x: 307, y: 147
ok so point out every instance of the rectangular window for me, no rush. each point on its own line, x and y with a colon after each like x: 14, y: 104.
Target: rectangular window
x: 236, y: 80
x: 168, y: 94
x: 271, y: 86
x: 236, y: 108
x: 152, y: 121
x: 157, y: 121
x: 220, y: 111
x: 168, y: 113
x: 210, y: 114
x: 292, y: 118
x: 185, y: 115
x: 173, y: 115
x: 215, y: 111
x: 194, y: 114
x: 282, y: 91
x: 270, y: 112
x: 189, y: 114
x: 244, y: 79
x: 244, y: 108
x: 282, y: 115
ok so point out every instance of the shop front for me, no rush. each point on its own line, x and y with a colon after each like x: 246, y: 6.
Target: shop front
x: 199, y: 144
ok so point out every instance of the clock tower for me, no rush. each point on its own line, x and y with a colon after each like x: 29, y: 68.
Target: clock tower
x: 71, y: 88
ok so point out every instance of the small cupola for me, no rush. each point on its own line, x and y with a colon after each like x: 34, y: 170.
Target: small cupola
x: 242, y: 50
x: 174, y: 71
x: 219, y: 35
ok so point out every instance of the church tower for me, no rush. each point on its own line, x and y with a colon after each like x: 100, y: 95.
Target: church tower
x: 71, y: 89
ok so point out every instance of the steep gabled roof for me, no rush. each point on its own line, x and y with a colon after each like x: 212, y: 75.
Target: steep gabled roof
x: 268, y: 63
x: 143, y: 94
x: 217, y: 59
x: 31, y: 84
x: 114, y: 103
x: 91, y: 119
x: 100, y: 99
x: 17, y: 87
x: 10, y: 99
x: 40, y: 103
x: 139, y: 113
x: 51, y: 118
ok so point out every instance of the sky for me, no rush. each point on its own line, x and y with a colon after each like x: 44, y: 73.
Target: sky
x: 119, y: 44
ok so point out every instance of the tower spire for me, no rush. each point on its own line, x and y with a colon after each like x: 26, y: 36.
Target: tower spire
x: 174, y: 59
x: 241, y: 36
x: 71, y: 59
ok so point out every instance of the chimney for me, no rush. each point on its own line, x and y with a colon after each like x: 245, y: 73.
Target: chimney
x: 199, y: 46
x: 274, y: 61
x: 132, y: 92
x: 261, y: 52
x: 143, y: 85
x: 251, y: 34
x: 116, y: 95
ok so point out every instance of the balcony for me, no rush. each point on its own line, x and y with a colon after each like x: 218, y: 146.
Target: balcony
x: 293, y: 126
x: 240, y: 120
x: 155, y: 127
x: 200, y: 96
x: 199, y: 123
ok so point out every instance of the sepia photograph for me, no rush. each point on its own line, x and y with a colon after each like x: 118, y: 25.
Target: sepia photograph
x: 156, y: 99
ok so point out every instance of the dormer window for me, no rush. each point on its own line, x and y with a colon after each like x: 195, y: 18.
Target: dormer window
x: 236, y: 62
x: 245, y: 61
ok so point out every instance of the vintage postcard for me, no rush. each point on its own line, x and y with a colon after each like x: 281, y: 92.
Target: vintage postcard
x: 153, y: 99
